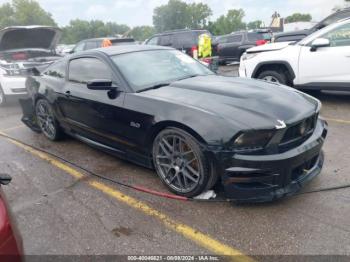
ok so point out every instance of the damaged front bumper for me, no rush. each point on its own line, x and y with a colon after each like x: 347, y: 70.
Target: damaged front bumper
x: 262, y: 178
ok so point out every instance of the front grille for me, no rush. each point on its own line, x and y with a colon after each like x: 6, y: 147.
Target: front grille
x: 297, y: 133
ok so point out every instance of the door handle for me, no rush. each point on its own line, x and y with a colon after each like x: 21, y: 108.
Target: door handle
x: 67, y: 93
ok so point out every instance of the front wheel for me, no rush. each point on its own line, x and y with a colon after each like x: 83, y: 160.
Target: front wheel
x: 180, y: 163
x: 47, y: 121
x: 273, y: 77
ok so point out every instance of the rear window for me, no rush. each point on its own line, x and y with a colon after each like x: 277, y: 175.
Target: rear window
x: 252, y: 37
x: 234, y: 38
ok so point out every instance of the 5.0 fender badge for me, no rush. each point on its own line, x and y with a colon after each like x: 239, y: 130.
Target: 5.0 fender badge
x: 281, y: 124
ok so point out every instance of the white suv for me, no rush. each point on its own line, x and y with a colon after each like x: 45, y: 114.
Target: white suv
x: 21, y: 49
x: 319, y: 61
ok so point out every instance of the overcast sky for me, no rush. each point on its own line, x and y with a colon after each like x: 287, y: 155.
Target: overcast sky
x: 139, y: 12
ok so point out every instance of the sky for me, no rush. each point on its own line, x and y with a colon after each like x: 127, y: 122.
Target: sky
x: 139, y: 12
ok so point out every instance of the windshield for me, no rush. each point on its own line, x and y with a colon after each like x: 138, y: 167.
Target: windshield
x: 148, y: 68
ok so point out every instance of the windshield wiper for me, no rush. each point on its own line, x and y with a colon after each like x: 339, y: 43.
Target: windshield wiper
x: 153, y: 87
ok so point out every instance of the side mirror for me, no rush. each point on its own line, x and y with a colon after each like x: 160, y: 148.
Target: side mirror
x: 319, y: 42
x: 100, y: 84
x: 5, y: 179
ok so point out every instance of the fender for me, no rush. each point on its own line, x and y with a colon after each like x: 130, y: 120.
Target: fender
x: 274, y: 62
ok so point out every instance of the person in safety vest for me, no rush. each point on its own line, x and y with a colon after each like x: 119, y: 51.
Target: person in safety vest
x: 204, y: 46
x: 106, y: 43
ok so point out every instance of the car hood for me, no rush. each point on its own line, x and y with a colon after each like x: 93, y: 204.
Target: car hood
x: 245, y: 102
x: 29, y: 37
x: 268, y: 47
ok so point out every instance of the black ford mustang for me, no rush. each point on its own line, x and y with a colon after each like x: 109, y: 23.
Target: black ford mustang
x: 161, y: 109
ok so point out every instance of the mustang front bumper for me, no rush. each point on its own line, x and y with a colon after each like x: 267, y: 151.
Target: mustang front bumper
x: 261, y: 178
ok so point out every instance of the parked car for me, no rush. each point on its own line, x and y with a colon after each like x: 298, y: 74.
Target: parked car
x: 320, y: 61
x: 162, y: 109
x: 11, y: 247
x: 21, y: 49
x: 185, y: 40
x: 300, y: 34
x: 230, y: 47
x: 93, y: 43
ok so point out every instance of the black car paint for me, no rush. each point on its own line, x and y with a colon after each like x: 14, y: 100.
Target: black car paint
x: 214, y: 109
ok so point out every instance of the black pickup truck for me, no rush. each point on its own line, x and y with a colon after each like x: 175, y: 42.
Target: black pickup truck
x: 300, y: 34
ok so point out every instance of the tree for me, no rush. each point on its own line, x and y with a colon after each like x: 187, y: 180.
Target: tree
x: 298, y: 17
x: 24, y: 12
x: 178, y: 15
x: 141, y: 33
x: 226, y: 24
x: 254, y: 24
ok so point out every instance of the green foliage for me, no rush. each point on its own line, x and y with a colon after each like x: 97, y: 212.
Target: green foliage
x: 78, y: 30
x: 141, y: 33
x: 178, y: 15
x: 24, y: 12
x: 254, y: 24
x: 297, y: 17
x: 231, y: 22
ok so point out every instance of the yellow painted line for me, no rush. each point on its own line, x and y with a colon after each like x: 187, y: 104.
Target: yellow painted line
x: 188, y: 232
x: 12, y: 128
x: 341, y: 121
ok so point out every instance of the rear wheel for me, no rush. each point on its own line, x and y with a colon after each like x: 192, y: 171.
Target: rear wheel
x: 273, y: 77
x: 2, y: 97
x: 47, y: 121
x: 180, y: 163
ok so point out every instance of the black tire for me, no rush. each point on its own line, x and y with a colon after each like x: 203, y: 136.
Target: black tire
x: 276, y: 76
x: 180, y: 158
x: 47, y: 120
x: 2, y: 97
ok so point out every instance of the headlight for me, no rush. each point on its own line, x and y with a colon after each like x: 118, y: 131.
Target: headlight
x: 253, y: 140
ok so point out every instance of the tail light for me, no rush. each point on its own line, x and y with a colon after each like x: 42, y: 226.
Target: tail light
x: 261, y: 42
x: 194, y: 51
x: 19, y: 56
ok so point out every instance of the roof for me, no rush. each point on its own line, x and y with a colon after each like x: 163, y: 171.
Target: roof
x: 180, y: 31
x: 117, y: 50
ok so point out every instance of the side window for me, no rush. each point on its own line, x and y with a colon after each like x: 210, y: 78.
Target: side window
x: 339, y: 36
x: 82, y: 70
x: 335, y: 18
x: 90, y: 45
x: 79, y: 47
x: 153, y: 41
x: 235, y: 38
x: 165, y: 40
x: 57, y: 70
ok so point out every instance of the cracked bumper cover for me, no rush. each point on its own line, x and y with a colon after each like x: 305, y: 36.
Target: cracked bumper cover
x: 262, y: 178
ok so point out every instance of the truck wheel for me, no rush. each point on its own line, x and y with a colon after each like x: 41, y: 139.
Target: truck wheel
x: 273, y: 77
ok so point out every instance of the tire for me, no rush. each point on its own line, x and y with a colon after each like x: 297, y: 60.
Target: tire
x: 47, y: 121
x: 2, y: 97
x: 274, y: 77
x: 181, y: 164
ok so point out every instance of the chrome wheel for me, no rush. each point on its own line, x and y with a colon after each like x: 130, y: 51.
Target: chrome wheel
x: 178, y: 163
x: 46, y: 119
x: 271, y: 79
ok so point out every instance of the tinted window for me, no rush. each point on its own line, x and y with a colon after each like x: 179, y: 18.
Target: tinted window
x: 91, y: 45
x: 339, y: 36
x: 82, y: 70
x: 235, y: 38
x: 289, y: 38
x: 165, y: 40
x: 252, y: 37
x: 185, y: 39
x: 57, y: 69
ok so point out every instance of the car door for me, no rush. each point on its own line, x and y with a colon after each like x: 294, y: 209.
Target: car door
x: 230, y: 48
x: 327, y: 66
x: 93, y: 114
